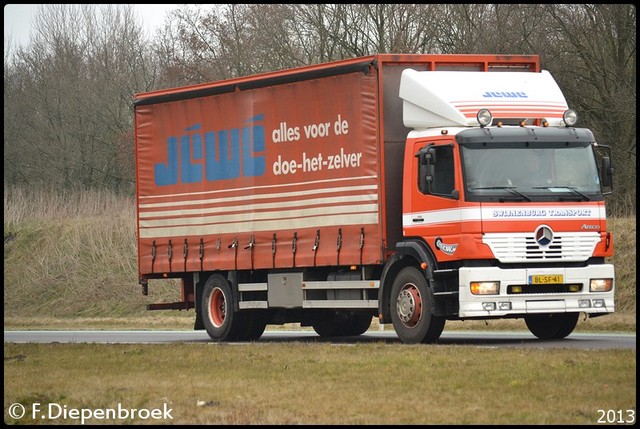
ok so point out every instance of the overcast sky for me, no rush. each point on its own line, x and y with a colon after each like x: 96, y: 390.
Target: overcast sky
x: 18, y: 19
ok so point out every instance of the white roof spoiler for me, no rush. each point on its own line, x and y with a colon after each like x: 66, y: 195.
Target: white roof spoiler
x: 452, y: 98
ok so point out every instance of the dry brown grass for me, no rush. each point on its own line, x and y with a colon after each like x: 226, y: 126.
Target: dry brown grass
x: 311, y: 383
x: 624, y: 261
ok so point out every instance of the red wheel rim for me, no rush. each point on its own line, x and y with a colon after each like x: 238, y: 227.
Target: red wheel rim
x: 217, y: 307
x: 409, y: 306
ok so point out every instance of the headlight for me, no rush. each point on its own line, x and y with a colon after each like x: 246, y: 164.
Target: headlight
x: 485, y: 288
x: 600, y: 285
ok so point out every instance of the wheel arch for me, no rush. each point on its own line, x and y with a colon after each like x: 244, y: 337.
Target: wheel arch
x: 411, y: 252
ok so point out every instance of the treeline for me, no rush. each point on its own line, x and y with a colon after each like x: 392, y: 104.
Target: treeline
x: 68, y: 118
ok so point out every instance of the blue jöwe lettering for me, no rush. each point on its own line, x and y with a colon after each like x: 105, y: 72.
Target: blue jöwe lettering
x: 226, y: 154
x: 505, y: 94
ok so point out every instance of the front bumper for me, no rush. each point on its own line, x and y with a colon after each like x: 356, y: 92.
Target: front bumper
x: 509, y: 304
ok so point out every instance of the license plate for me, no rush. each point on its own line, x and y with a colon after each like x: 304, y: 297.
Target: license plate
x: 546, y: 279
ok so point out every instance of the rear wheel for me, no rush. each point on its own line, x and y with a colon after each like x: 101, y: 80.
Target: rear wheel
x: 342, y: 323
x: 411, y: 308
x: 220, y: 321
x: 256, y: 323
x: 552, y: 326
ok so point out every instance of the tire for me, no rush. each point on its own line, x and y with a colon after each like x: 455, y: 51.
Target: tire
x: 411, y: 308
x: 552, y: 326
x: 220, y: 321
x: 342, y: 323
x: 359, y: 323
x: 256, y: 323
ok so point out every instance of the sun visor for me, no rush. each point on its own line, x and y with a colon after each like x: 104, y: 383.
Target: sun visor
x: 452, y: 98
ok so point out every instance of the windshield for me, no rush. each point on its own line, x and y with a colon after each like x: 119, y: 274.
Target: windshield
x: 531, y: 170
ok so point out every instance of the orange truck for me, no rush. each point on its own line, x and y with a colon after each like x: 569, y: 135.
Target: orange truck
x: 414, y: 188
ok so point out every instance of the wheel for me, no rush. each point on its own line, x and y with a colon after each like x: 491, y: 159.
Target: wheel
x: 326, y: 325
x: 411, y: 308
x: 552, y: 326
x: 342, y: 323
x: 358, y: 324
x: 220, y: 321
x: 256, y: 323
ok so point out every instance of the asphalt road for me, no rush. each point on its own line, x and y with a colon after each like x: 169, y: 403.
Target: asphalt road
x: 470, y: 338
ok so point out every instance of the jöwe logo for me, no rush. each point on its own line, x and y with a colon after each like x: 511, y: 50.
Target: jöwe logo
x: 226, y: 154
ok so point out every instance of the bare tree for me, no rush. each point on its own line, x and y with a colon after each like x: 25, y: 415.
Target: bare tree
x: 318, y: 32
x: 596, y: 67
x: 71, y: 96
x: 67, y: 95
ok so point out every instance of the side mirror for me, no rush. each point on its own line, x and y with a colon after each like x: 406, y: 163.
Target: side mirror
x: 426, y: 159
x: 607, y: 172
x: 430, y: 156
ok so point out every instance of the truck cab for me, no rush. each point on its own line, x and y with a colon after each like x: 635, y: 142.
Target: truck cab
x: 503, y: 201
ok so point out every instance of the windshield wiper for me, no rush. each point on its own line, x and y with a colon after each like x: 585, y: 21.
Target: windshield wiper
x: 570, y: 188
x: 511, y: 189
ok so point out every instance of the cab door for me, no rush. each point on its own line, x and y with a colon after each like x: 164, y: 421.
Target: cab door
x: 431, y: 202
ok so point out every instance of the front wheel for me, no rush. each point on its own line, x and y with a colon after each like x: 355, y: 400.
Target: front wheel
x: 552, y: 326
x: 411, y: 308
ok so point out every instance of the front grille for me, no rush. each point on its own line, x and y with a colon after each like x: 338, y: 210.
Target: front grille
x: 566, y: 247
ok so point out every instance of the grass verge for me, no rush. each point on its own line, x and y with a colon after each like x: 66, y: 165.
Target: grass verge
x: 293, y: 383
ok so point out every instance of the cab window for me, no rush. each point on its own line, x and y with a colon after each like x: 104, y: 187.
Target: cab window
x: 436, y: 170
